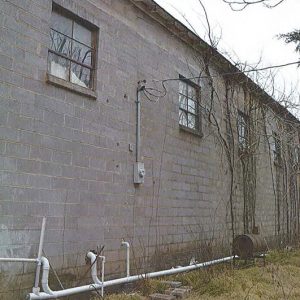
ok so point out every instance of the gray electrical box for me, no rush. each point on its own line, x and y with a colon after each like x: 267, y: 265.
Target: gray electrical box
x: 139, y: 172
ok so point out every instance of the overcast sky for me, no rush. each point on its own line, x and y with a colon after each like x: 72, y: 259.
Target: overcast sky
x: 249, y: 34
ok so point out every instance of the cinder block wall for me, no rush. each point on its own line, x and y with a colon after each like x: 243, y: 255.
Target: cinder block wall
x: 66, y: 156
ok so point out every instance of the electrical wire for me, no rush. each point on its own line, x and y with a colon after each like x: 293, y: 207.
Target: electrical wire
x: 232, y: 73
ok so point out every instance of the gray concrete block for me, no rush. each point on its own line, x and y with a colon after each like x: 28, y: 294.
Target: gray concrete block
x: 180, y: 293
x: 17, y: 150
x: 172, y: 284
x: 6, y: 61
x: 158, y: 296
x: 63, y: 158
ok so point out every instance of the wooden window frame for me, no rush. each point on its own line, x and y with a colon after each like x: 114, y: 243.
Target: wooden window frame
x: 51, y: 78
x: 198, y: 120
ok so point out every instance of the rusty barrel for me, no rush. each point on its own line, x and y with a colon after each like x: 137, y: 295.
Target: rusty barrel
x: 249, y: 245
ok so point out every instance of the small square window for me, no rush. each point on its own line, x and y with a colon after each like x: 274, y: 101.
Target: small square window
x: 71, y: 55
x: 189, y: 114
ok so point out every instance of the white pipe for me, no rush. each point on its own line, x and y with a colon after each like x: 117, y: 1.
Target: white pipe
x: 127, y: 245
x: 45, y: 276
x: 93, y: 259
x: 95, y: 278
x: 29, y: 260
x: 102, y: 275
x: 36, y: 288
x: 95, y: 286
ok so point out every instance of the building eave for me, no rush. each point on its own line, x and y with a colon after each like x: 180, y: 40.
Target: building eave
x: 175, y: 27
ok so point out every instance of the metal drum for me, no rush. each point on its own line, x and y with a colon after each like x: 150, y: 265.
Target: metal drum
x: 248, y: 246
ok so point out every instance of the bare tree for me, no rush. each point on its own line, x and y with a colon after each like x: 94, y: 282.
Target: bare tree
x: 239, y: 5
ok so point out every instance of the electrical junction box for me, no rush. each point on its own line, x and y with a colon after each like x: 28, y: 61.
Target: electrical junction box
x: 139, y: 172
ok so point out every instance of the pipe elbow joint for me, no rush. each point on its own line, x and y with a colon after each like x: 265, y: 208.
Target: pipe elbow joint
x: 126, y: 244
x: 45, y: 263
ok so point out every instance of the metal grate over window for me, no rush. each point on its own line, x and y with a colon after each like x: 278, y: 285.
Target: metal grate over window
x: 71, y: 54
x: 188, y: 104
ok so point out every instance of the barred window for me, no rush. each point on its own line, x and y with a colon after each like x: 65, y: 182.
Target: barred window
x: 72, y: 53
x: 189, y: 93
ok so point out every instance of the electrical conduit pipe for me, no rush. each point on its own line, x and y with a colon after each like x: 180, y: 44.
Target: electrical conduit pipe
x: 95, y: 286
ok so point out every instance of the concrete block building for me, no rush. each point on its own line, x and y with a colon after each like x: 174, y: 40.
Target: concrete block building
x: 205, y: 155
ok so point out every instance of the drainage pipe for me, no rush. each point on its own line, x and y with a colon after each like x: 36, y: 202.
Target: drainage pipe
x: 127, y: 245
x: 95, y: 286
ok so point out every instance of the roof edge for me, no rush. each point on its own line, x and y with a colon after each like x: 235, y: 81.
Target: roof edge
x: 160, y: 15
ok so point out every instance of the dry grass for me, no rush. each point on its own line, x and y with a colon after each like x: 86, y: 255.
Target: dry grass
x: 278, y: 280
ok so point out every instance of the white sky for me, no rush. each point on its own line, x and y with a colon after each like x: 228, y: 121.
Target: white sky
x: 248, y: 34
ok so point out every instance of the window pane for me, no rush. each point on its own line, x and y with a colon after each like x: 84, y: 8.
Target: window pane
x: 182, y: 88
x: 191, y: 121
x: 58, y: 66
x: 182, y: 118
x: 192, y: 92
x: 61, y: 24
x: 82, y: 54
x: 192, y: 106
x: 82, y: 34
x: 60, y: 43
x: 182, y: 102
x: 80, y: 75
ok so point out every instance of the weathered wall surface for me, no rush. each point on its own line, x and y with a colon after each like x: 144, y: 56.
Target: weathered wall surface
x: 67, y: 157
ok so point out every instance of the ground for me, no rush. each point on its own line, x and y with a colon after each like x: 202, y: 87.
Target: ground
x: 278, y: 279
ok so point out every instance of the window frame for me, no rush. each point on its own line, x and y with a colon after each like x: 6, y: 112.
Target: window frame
x: 67, y: 83
x: 198, y: 120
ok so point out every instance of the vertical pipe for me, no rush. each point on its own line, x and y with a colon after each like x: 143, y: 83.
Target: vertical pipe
x: 141, y: 86
x: 92, y: 256
x: 40, y: 253
x: 127, y: 245
x: 102, y: 275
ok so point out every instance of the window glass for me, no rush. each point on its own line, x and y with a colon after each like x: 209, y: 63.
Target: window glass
x: 182, y: 101
x: 80, y: 75
x: 192, y: 106
x: 82, y: 53
x: 70, y: 53
x: 58, y: 66
x: 192, y: 92
x: 82, y: 34
x: 188, y: 105
x: 61, y: 24
x: 183, y: 118
x: 191, y: 121
x: 182, y: 88
x: 60, y: 43
x: 242, y: 124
